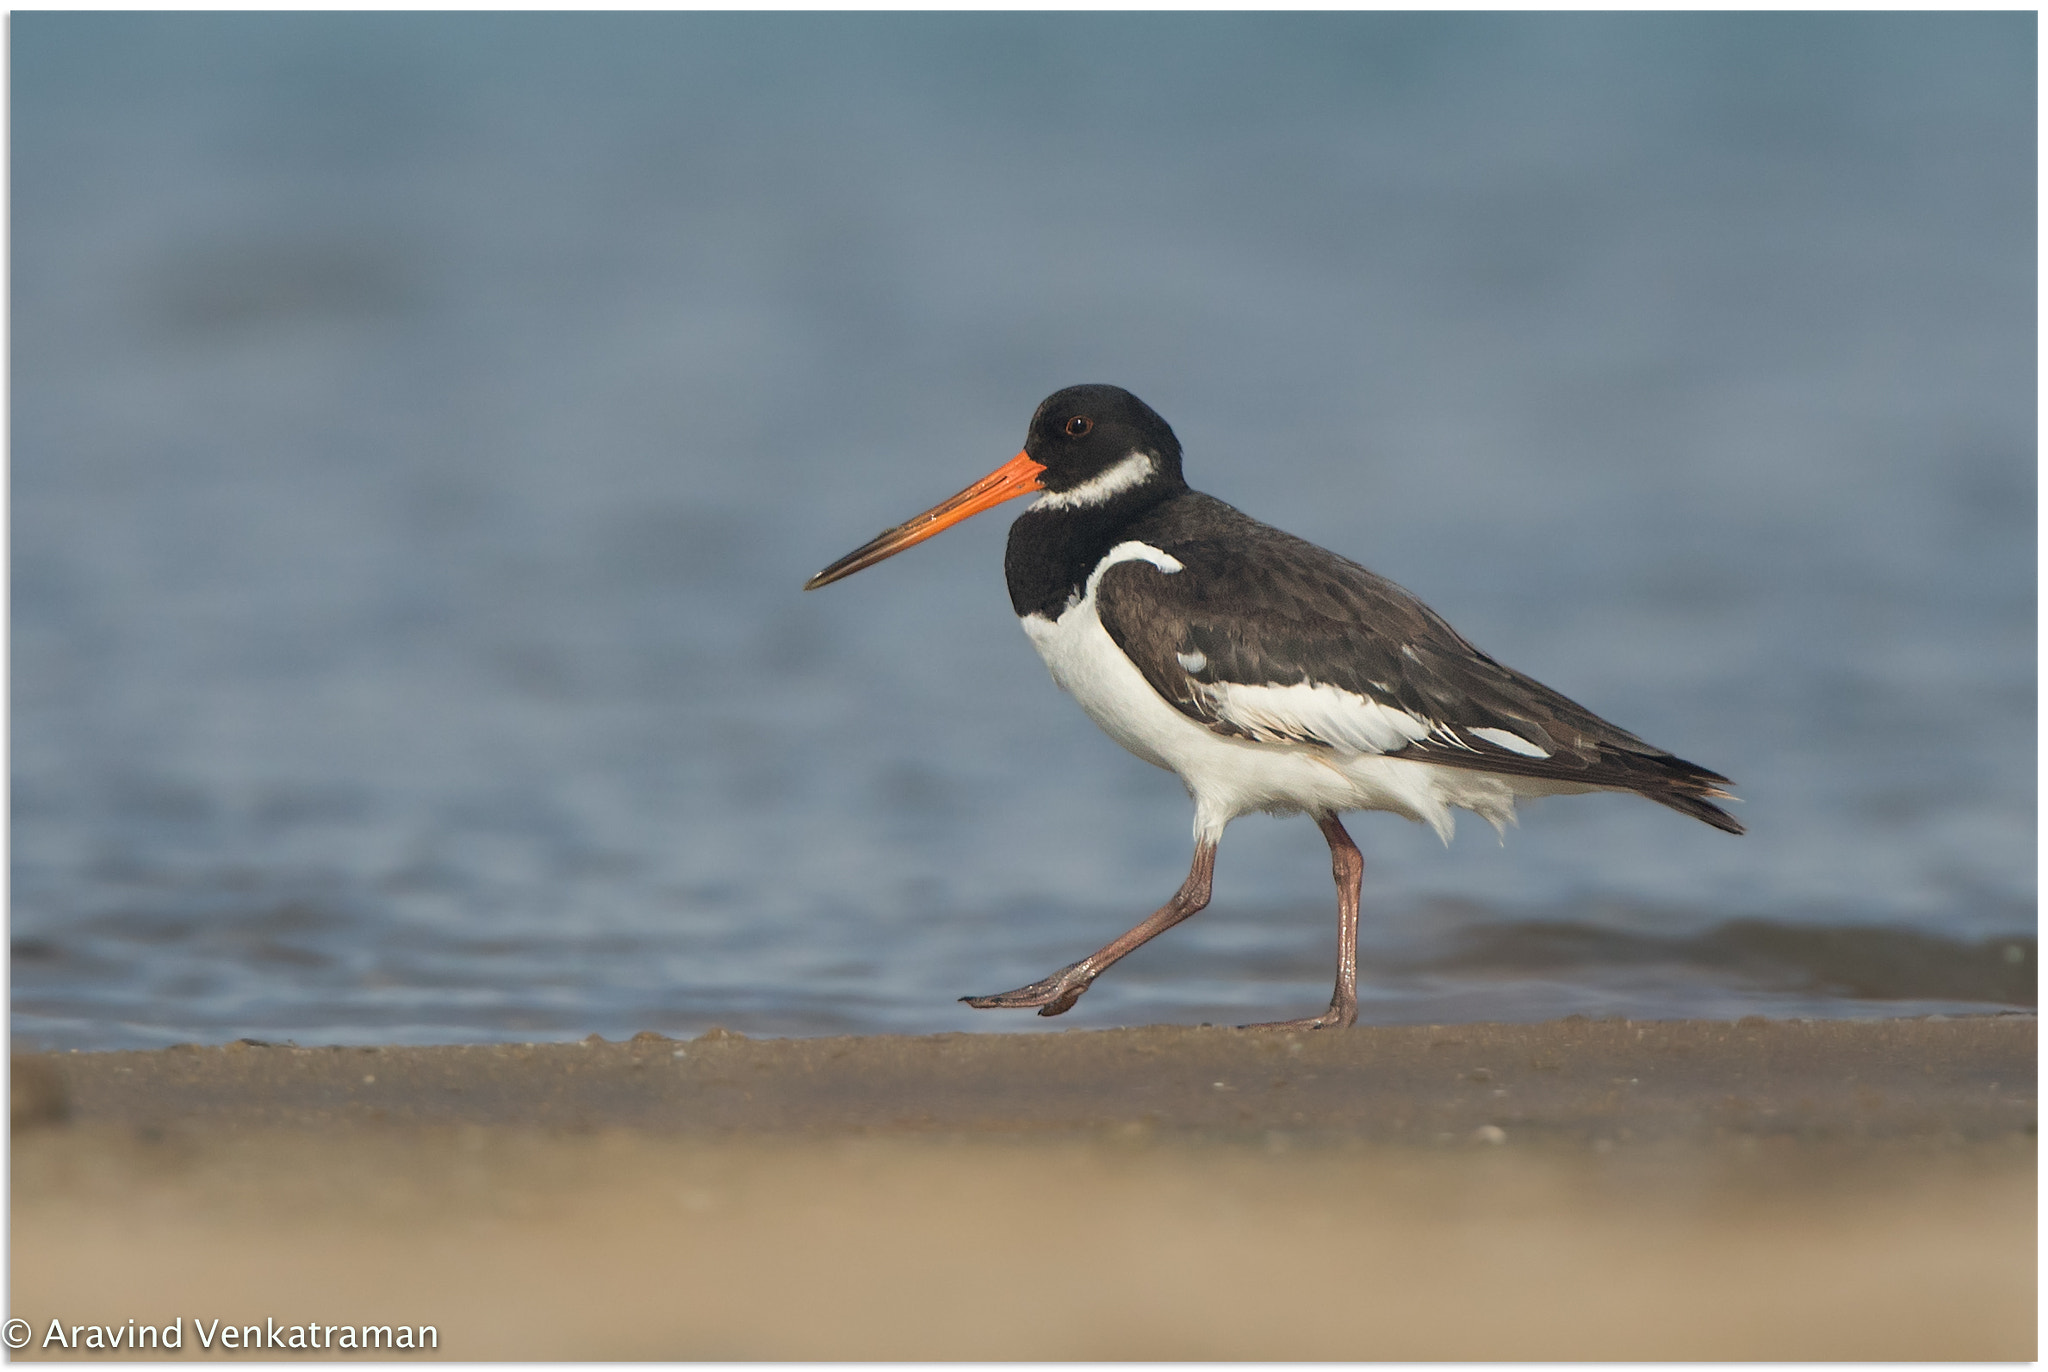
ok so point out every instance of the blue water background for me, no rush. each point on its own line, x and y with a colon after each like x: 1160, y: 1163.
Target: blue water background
x: 422, y: 424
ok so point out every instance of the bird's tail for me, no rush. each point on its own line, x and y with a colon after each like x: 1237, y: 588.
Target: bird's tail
x: 1692, y: 790
x: 1700, y: 808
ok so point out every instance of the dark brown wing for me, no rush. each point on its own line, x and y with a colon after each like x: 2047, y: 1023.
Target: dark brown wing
x: 1265, y: 636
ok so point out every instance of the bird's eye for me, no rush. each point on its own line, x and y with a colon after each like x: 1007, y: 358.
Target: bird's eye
x: 1079, y: 425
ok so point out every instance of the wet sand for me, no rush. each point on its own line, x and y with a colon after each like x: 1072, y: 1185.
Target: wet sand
x: 1581, y: 1189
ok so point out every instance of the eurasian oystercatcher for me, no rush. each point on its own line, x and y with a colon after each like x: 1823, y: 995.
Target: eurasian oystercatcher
x: 1269, y: 673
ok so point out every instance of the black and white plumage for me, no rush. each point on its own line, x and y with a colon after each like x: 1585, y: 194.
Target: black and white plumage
x: 1269, y: 673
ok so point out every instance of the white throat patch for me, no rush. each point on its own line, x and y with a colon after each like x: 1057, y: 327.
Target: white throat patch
x: 1133, y: 471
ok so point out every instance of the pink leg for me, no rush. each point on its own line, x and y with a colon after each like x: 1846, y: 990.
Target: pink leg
x: 1057, y: 993
x: 1348, y: 866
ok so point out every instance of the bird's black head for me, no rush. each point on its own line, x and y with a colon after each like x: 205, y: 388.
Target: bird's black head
x: 1098, y: 453
x: 1098, y: 441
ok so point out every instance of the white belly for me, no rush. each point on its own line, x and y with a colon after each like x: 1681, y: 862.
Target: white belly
x: 1228, y: 777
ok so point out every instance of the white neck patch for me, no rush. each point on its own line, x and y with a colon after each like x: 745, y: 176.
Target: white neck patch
x: 1133, y: 471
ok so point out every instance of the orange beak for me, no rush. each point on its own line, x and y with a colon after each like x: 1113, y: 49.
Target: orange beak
x: 1018, y: 476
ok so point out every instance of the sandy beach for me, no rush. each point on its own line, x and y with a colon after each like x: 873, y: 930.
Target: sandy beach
x: 1578, y: 1189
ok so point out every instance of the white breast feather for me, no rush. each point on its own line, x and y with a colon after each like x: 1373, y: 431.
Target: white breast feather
x: 1086, y: 663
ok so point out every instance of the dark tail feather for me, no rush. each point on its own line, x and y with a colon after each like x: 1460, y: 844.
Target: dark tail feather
x: 1685, y: 786
x: 1696, y: 804
x: 1692, y: 791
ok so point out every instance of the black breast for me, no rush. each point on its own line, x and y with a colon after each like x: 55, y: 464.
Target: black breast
x: 1052, y: 552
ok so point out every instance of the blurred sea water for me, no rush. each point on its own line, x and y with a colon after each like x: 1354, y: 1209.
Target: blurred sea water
x: 422, y: 425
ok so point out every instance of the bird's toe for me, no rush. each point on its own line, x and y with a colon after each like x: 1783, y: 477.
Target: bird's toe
x: 1053, y: 996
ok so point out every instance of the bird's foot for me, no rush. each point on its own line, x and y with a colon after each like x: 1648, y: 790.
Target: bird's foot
x: 1336, y: 1017
x: 1053, y: 996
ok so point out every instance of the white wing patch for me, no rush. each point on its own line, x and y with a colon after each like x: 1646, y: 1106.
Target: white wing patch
x: 1514, y: 743
x: 1191, y: 663
x: 1134, y: 470
x: 1312, y: 711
